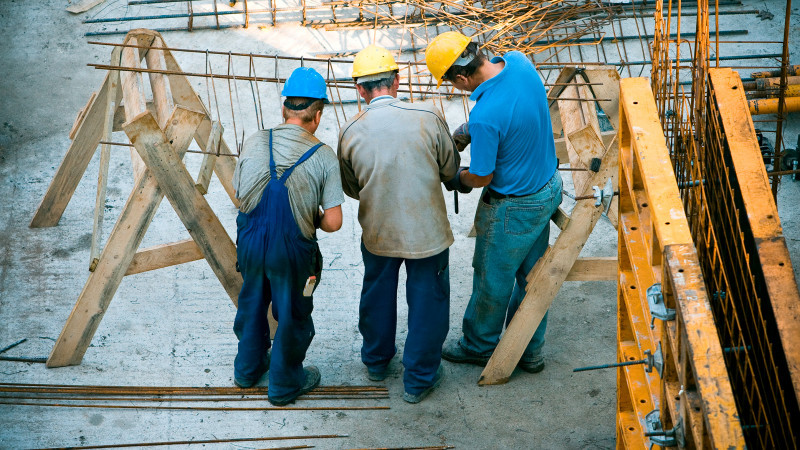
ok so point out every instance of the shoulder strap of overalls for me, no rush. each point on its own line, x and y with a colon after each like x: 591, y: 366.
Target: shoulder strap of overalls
x: 302, y: 159
x: 273, y: 172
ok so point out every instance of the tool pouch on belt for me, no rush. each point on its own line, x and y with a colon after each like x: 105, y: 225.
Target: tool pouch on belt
x: 303, y: 306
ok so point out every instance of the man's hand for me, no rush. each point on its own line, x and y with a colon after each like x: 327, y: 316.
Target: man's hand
x: 461, y: 136
x: 454, y: 184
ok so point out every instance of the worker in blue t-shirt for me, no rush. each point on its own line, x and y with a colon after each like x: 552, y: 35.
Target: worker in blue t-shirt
x: 513, y: 159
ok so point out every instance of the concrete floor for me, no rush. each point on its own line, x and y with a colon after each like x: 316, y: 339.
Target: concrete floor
x: 173, y: 327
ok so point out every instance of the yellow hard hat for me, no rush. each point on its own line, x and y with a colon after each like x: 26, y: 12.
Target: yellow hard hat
x: 443, y: 51
x: 372, y: 60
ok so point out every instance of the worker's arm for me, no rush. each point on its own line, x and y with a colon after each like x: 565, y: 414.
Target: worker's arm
x: 485, y: 141
x: 447, y: 157
x: 331, y: 219
x: 475, y: 181
x: 349, y: 181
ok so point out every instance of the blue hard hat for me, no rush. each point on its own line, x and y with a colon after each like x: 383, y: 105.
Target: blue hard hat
x: 305, y: 82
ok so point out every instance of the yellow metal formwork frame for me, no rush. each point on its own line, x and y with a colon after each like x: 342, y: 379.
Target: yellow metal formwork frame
x: 655, y: 246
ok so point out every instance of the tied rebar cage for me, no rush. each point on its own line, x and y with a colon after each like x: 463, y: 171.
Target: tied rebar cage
x: 728, y: 199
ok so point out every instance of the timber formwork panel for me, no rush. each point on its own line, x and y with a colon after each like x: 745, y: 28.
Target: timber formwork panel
x: 692, y: 394
x: 745, y: 262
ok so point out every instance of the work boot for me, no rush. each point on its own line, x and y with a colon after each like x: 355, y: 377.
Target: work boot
x: 312, y: 381
x: 455, y: 353
x: 437, y: 380
x: 377, y: 374
x: 262, y: 369
x: 534, y: 365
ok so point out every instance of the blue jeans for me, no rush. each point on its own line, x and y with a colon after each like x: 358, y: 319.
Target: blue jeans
x: 428, y: 297
x: 512, y: 234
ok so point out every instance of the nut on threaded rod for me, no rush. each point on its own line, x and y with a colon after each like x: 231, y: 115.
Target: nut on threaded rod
x: 650, y: 360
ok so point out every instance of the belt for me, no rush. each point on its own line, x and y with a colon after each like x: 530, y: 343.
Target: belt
x: 498, y: 196
x: 492, y: 194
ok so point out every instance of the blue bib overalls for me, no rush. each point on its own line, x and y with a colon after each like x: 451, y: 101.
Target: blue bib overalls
x: 275, y: 260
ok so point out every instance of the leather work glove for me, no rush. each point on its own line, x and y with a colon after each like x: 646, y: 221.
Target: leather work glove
x: 461, y: 136
x: 454, y: 184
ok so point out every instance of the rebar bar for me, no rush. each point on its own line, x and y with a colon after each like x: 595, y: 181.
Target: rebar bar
x: 210, y: 441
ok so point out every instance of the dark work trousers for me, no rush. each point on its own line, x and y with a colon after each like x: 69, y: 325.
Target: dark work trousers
x: 428, y: 297
x: 275, y: 260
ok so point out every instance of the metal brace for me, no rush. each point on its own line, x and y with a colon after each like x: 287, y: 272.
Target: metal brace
x: 654, y: 360
x: 658, y: 309
x: 604, y: 196
x: 661, y: 437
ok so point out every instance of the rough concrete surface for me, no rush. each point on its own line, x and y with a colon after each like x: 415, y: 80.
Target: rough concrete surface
x: 173, y: 327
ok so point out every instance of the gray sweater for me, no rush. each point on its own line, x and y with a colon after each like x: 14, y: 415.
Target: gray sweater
x: 393, y: 157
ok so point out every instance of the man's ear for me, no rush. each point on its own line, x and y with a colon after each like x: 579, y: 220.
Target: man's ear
x: 318, y: 117
x: 396, y: 83
x: 361, y: 91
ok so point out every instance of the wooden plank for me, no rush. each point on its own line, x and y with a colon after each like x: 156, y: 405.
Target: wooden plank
x: 164, y: 255
x: 81, y: 116
x: 178, y: 185
x: 83, y: 6
x: 209, y: 160
x: 609, y: 88
x: 579, y: 118
x: 762, y: 215
x: 560, y: 218
x: 652, y: 157
x: 133, y: 97
x: 162, y: 96
x: 544, y: 282
x: 102, y: 176
x: 75, y: 162
x: 561, y: 145
x: 183, y: 94
x: 120, y: 249
x: 596, y: 268
x: 703, y: 347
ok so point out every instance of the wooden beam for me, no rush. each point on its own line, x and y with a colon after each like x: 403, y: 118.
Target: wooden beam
x: 608, y: 77
x: 134, y: 100
x: 83, y: 6
x: 81, y: 116
x: 561, y: 145
x: 545, y: 280
x: 596, y: 268
x: 209, y: 160
x: 178, y: 186
x: 164, y: 255
x: 560, y: 218
x: 162, y: 96
x: 75, y: 162
x: 102, y: 175
x: 117, y: 255
x: 183, y: 94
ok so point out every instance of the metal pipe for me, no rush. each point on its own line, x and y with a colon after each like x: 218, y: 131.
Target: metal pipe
x: 773, y: 106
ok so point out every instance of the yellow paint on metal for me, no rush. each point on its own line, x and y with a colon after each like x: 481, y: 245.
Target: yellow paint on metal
x: 655, y: 245
x: 770, y: 105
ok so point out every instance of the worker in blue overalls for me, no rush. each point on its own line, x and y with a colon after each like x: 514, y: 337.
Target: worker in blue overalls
x: 288, y: 184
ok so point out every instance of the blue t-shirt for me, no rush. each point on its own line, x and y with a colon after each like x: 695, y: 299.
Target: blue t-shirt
x: 510, y: 129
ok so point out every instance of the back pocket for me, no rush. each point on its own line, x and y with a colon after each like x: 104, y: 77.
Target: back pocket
x: 524, y: 219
